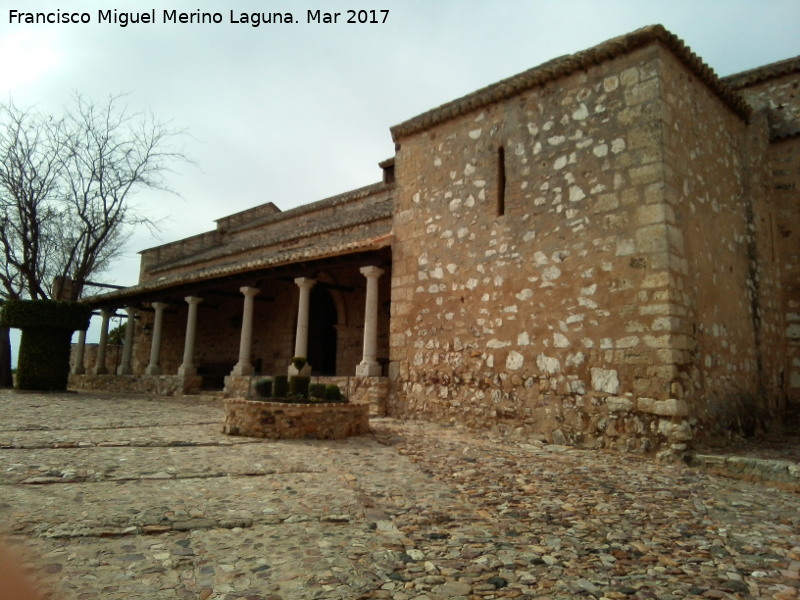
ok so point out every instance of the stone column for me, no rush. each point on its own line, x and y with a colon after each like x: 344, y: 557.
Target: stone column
x: 127, y: 346
x: 369, y: 366
x: 301, y: 339
x: 154, y: 368
x: 100, y: 365
x: 187, y: 367
x: 79, y: 368
x: 244, y: 366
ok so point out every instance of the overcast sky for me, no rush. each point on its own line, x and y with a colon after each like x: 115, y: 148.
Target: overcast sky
x: 293, y: 113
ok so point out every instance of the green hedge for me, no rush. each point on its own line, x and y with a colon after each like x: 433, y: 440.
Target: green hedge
x: 43, y: 362
x: 49, y: 314
x: 263, y: 387
x: 280, y: 386
x: 298, y: 386
x: 333, y: 393
x: 47, y: 326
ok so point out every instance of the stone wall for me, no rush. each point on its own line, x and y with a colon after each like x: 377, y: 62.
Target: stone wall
x: 785, y: 164
x: 548, y: 264
x: 723, y: 307
x: 373, y: 391
x: 774, y: 92
x: 157, y: 385
x: 275, y: 420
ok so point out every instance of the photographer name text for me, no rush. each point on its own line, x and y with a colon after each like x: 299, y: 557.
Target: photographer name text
x: 197, y: 17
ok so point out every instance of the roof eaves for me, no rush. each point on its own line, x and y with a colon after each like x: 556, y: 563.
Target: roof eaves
x: 164, y: 283
x: 764, y: 73
x: 566, y: 65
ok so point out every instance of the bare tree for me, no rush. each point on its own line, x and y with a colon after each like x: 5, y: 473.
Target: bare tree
x: 31, y: 153
x: 65, y: 188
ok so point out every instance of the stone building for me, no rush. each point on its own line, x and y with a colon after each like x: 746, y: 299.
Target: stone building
x: 602, y: 250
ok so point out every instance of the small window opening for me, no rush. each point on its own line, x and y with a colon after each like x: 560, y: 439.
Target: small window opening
x: 501, y: 181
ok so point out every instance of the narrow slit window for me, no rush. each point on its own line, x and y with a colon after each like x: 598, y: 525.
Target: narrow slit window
x: 501, y: 181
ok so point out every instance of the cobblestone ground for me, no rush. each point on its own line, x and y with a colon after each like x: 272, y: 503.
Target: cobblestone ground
x: 140, y: 498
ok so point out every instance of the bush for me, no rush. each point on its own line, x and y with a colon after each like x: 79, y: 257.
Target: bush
x: 280, y: 386
x: 47, y: 326
x: 298, y: 386
x: 263, y: 387
x: 45, y: 314
x: 333, y: 393
x: 317, y: 391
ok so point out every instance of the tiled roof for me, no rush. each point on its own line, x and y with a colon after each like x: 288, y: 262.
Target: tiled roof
x: 358, y: 221
x: 333, y: 201
x: 381, y: 237
x: 303, y: 230
x: 567, y: 65
x: 761, y: 74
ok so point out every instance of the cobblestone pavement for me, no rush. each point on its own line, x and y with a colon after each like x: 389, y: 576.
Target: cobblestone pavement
x: 141, y: 498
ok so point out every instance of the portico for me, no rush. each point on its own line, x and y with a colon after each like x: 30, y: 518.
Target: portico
x: 218, y: 335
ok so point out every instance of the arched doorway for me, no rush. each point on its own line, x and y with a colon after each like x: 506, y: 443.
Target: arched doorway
x: 322, y: 320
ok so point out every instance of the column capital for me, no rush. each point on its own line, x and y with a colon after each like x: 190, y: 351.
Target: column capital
x: 250, y: 292
x: 371, y: 271
x: 193, y: 299
x: 159, y: 305
x: 305, y: 282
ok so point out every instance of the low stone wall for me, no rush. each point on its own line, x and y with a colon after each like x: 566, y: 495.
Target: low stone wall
x: 277, y: 420
x: 373, y: 391
x: 159, y: 385
x: 363, y: 390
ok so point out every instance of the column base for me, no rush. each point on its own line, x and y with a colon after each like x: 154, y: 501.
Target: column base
x: 153, y: 370
x: 124, y: 370
x: 242, y: 370
x: 369, y: 369
x: 187, y: 371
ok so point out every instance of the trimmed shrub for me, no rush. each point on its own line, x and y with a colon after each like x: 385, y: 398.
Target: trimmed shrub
x: 263, y: 387
x: 333, y: 393
x: 45, y: 314
x: 298, y: 386
x: 317, y: 391
x: 280, y: 386
x: 47, y: 326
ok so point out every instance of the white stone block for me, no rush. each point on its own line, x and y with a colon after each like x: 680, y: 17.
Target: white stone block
x: 605, y: 380
x: 514, y: 361
x: 664, y: 408
x: 548, y: 365
x: 619, y: 404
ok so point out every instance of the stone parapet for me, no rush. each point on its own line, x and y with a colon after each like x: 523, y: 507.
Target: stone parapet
x: 159, y: 385
x: 277, y: 420
x: 239, y: 386
x: 373, y: 391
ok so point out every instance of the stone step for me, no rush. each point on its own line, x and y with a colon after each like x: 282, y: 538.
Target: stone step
x: 784, y: 474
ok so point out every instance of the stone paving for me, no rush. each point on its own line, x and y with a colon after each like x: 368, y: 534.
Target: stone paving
x: 136, y: 497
